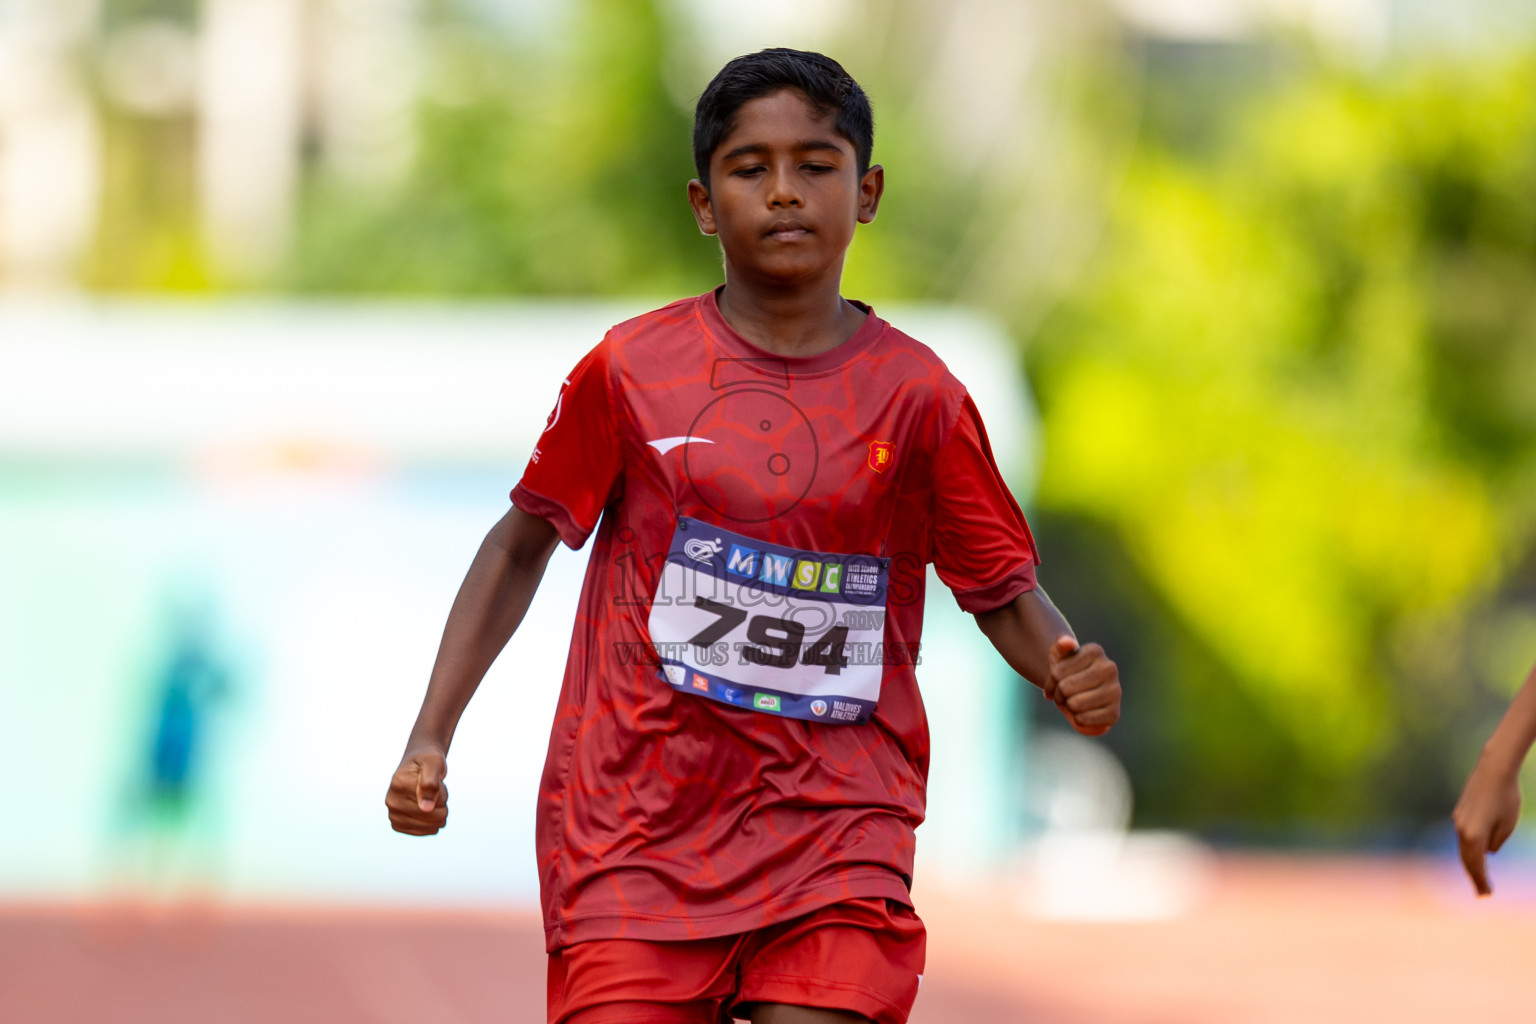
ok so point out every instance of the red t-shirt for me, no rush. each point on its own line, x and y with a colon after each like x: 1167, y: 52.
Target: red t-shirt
x: 739, y: 737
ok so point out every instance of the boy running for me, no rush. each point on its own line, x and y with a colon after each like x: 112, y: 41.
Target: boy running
x: 739, y: 754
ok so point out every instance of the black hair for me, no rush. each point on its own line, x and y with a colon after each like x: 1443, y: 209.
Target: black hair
x: 822, y: 79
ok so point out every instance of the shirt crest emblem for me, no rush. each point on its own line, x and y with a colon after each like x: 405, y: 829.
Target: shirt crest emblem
x: 881, y: 455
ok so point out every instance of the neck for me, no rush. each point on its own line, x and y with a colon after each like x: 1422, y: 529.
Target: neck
x: 790, y: 320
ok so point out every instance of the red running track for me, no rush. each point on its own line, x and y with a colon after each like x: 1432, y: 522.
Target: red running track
x: 1277, y: 941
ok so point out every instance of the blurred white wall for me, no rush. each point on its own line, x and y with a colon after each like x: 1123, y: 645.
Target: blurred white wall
x: 315, y: 480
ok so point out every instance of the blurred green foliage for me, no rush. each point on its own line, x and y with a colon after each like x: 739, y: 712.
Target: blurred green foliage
x: 1294, y: 397
x: 548, y: 167
x: 147, y: 235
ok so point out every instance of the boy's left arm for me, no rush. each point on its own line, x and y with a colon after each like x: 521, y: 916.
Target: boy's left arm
x: 1036, y: 641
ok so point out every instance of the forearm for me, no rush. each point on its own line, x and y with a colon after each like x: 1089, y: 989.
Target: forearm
x: 1023, y: 631
x: 489, y: 607
x: 1516, y: 732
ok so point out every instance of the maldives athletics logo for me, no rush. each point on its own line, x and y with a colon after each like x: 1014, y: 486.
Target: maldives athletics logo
x: 881, y: 455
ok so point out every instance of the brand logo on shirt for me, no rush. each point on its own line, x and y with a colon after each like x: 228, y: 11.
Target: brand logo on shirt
x: 554, y: 417
x: 703, y: 550
x: 818, y: 707
x: 700, y: 683
x: 776, y: 569
x: 765, y: 702
x: 806, y: 574
x: 666, y: 444
x: 742, y: 561
x: 881, y: 455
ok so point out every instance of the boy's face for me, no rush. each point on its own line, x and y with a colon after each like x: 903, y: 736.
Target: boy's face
x: 785, y: 192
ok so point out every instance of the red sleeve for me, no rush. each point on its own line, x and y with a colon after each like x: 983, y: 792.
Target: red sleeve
x: 577, y: 467
x: 980, y: 543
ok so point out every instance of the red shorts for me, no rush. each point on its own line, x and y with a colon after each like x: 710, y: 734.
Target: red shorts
x: 863, y: 956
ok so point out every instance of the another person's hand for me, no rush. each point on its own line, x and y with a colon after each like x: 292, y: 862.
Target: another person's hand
x: 1085, y: 685
x: 1485, y: 816
x: 417, y: 798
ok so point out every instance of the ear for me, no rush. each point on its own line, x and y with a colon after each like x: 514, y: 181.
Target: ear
x: 703, y: 211
x: 871, y: 188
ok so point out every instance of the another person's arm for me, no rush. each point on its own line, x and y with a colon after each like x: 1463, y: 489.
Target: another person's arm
x: 1489, y: 807
x: 490, y: 605
x: 1036, y: 641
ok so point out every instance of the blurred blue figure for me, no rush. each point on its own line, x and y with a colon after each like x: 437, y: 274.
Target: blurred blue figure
x: 165, y: 845
x: 189, y: 684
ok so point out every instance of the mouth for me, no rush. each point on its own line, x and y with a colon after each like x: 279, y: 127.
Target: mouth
x: 787, y: 231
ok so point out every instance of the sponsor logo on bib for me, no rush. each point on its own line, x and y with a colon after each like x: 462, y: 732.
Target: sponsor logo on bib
x: 846, y: 711
x: 702, y: 550
x: 765, y: 702
x: 861, y: 579
x: 742, y: 561
x: 818, y: 708
x: 776, y: 569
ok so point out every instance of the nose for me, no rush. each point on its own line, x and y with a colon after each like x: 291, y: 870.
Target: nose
x: 783, y: 189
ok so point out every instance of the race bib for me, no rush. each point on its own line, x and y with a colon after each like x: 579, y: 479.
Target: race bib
x: 773, y: 629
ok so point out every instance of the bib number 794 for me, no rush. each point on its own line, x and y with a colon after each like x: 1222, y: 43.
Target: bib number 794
x: 775, y: 642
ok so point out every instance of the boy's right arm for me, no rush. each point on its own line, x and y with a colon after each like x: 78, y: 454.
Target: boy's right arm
x: 1489, y: 807
x: 490, y: 605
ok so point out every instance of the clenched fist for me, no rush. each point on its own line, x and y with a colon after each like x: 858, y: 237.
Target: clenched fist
x: 417, y: 798
x: 1085, y: 685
